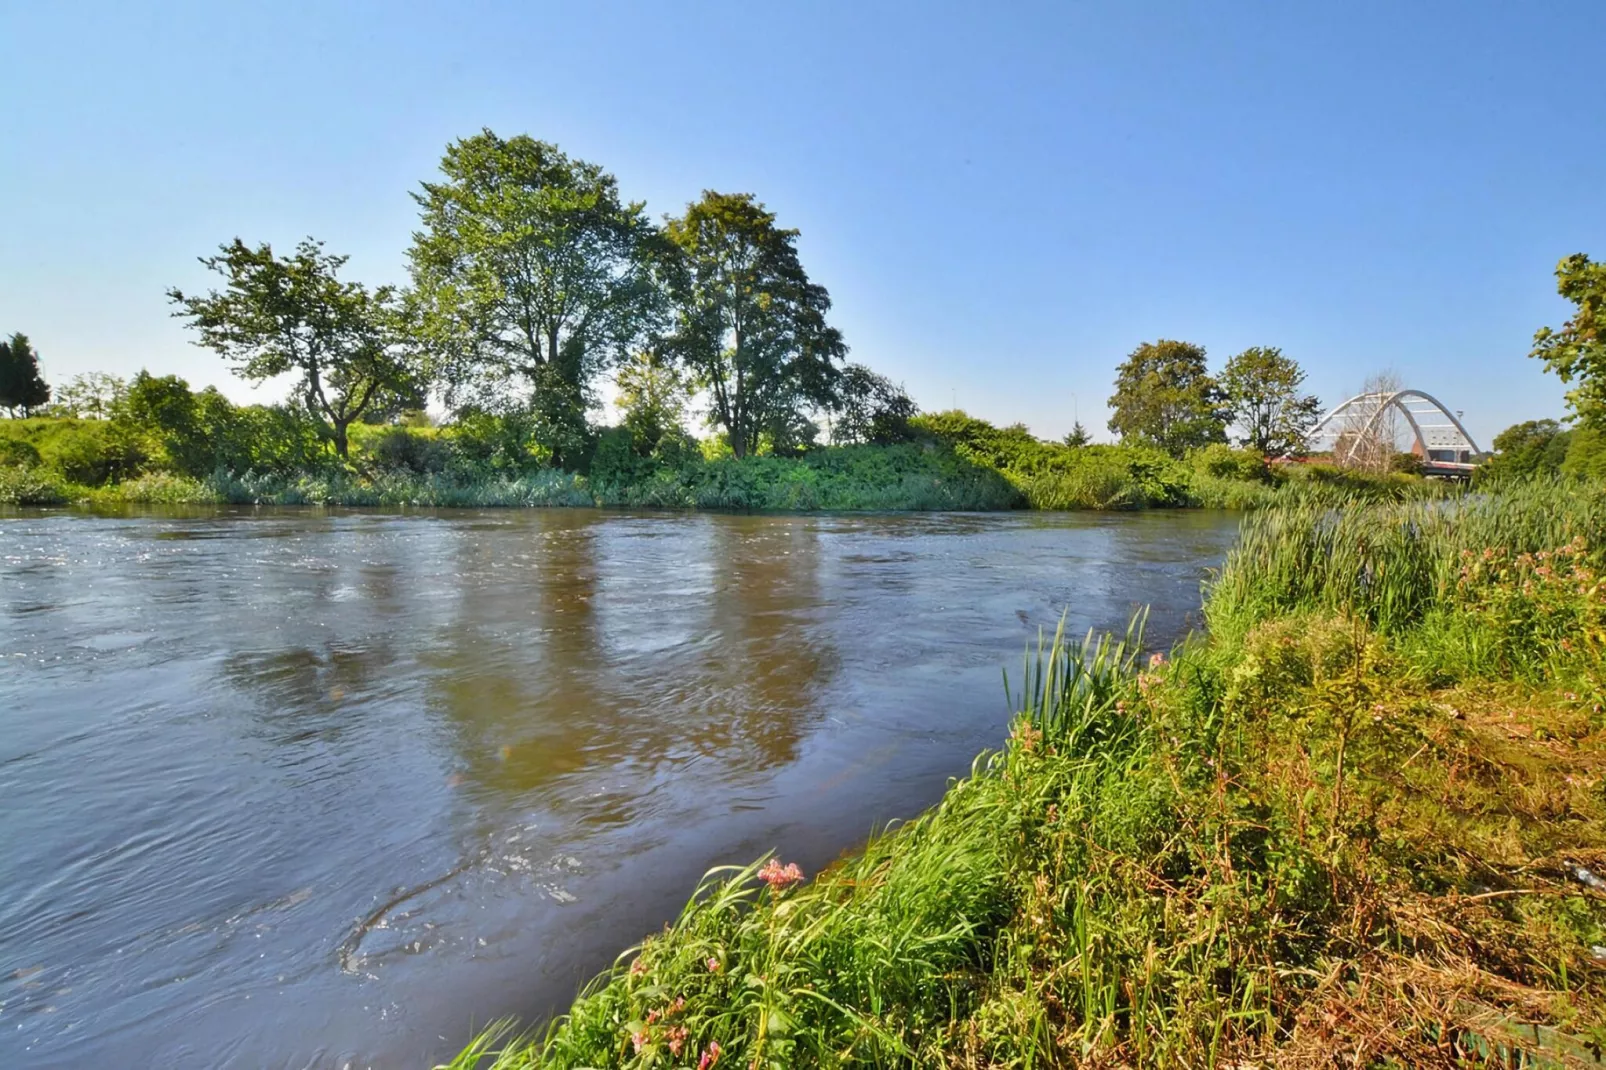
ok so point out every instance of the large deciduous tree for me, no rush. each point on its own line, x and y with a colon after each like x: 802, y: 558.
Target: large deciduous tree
x: 280, y: 315
x: 22, y: 388
x: 529, y: 272
x: 1577, y: 352
x: 1262, y: 388
x: 747, y: 320
x: 1164, y: 396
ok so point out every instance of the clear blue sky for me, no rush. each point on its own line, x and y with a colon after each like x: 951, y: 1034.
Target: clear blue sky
x: 1003, y: 199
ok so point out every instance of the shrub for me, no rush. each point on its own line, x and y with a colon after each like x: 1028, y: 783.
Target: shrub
x: 399, y: 449
x: 93, y: 452
x: 18, y: 454
x: 31, y: 486
x: 1224, y: 462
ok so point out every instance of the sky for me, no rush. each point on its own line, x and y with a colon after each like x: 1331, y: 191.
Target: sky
x: 1002, y: 199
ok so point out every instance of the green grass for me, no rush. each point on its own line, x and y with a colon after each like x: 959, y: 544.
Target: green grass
x: 1341, y: 830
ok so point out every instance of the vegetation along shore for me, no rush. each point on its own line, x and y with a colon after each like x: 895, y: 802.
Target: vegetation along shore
x: 1360, y: 823
x: 533, y: 283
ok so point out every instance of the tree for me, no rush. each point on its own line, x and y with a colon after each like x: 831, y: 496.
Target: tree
x: 1165, y: 397
x: 652, y: 396
x: 529, y: 269
x: 1262, y: 391
x: 1078, y: 436
x: 870, y: 408
x: 293, y: 315
x: 1526, y: 450
x: 1578, y: 350
x: 91, y: 396
x: 22, y: 388
x: 747, y: 320
x: 1370, y: 438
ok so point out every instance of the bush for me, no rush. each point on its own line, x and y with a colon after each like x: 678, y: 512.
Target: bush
x: 398, y: 449
x: 31, y: 486
x: 1224, y: 462
x: 93, y: 452
x: 17, y: 454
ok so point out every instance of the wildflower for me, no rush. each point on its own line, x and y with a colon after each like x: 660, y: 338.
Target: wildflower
x: 713, y: 964
x: 638, y: 968
x: 676, y: 1007
x: 677, y: 1039
x: 710, y: 1056
x: 653, y: 1016
x: 778, y: 876
x: 1156, y: 660
x: 639, y: 1040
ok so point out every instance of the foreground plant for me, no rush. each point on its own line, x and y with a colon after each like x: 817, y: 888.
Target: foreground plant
x: 1335, y: 833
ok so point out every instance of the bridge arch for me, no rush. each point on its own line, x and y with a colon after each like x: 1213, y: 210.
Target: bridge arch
x: 1348, y: 426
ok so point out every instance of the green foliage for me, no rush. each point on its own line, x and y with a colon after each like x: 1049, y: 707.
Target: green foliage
x: 91, y: 452
x: 292, y: 315
x: 90, y: 397
x: 1261, y: 387
x: 531, y: 272
x: 1078, y: 436
x: 1164, y: 397
x: 1586, y: 454
x: 870, y: 408
x: 1224, y: 462
x: 747, y: 321
x: 15, y: 452
x: 652, y: 396
x: 405, y: 449
x: 1526, y: 450
x: 22, y: 388
x: 1279, y: 846
x: 27, y: 485
x: 1577, y: 352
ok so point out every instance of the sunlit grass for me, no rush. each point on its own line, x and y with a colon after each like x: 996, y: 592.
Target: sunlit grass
x: 1336, y: 832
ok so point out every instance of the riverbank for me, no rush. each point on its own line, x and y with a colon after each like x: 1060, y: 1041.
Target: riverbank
x: 1361, y: 823
x: 958, y: 463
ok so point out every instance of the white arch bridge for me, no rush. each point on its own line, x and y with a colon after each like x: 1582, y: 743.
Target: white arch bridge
x: 1366, y: 420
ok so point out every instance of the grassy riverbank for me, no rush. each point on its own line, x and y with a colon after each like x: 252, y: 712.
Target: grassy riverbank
x: 1361, y: 824
x: 956, y: 462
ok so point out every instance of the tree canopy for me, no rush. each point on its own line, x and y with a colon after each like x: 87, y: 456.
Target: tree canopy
x: 1164, y: 396
x: 281, y: 315
x: 870, y: 408
x: 1262, y: 388
x: 529, y: 270
x: 1577, y: 352
x: 22, y: 388
x: 747, y: 321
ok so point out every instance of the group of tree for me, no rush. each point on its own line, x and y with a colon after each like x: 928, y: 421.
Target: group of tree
x: 23, y: 389
x: 1166, y: 397
x: 531, y: 278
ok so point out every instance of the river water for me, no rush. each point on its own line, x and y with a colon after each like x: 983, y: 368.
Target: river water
x: 303, y: 788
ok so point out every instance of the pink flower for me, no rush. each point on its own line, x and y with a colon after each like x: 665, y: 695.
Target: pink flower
x: 710, y: 1056
x: 713, y: 964
x: 639, y: 1040
x: 638, y: 968
x: 778, y: 876
x: 677, y: 1039
x: 1156, y: 660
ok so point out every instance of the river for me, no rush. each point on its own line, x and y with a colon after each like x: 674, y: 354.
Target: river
x: 291, y: 788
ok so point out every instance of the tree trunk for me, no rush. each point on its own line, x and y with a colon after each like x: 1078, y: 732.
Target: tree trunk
x: 340, y: 438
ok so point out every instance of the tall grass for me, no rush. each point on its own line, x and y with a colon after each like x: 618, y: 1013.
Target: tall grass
x: 1297, y: 842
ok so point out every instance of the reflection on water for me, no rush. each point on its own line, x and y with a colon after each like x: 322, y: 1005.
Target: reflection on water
x: 300, y: 788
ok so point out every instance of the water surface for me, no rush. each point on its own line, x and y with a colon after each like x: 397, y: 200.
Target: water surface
x: 303, y: 788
